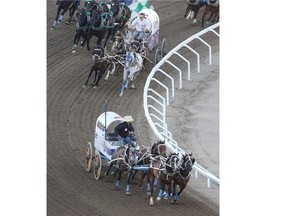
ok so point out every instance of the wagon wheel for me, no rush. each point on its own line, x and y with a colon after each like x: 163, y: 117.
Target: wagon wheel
x: 163, y: 53
x: 156, y: 58
x: 88, y: 158
x: 97, y: 165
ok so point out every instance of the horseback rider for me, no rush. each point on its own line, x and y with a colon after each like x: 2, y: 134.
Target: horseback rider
x: 122, y: 131
x: 141, y: 26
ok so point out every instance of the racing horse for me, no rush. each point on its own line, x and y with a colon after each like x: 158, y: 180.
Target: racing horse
x: 123, y: 159
x: 157, y: 149
x: 73, y: 7
x: 193, y: 8
x: 99, y: 24
x: 212, y: 7
x: 118, y: 49
x: 63, y: 6
x: 82, y: 27
x: 99, y: 65
x: 133, y: 65
x: 121, y: 14
x: 182, y: 177
x: 163, y: 170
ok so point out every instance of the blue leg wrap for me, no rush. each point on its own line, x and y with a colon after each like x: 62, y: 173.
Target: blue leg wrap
x: 166, y: 196
x: 175, y: 198
x: 160, y: 193
x: 126, y: 84
x: 155, y: 182
x: 148, y: 186
x: 117, y: 184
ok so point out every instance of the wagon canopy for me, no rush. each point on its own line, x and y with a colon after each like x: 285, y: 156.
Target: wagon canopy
x: 110, y: 118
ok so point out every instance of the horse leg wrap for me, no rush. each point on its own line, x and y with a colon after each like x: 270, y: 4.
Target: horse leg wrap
x: 175, y: 198
x: 117, y: 184
x: 166, y: 196
x: 128, y: 189
x: 148, y: 187
x: 160, y: 194
x: 54, y: 24
x: 60, y: 18
x: 155, y: 182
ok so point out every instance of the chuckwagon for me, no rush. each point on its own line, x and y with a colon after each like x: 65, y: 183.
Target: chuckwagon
x: 151, y: 36
x: 105, y: 142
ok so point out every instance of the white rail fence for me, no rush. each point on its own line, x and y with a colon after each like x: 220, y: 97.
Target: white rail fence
x: 155, y: 104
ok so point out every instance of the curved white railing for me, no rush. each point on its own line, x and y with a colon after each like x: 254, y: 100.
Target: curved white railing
x: 152, y: 99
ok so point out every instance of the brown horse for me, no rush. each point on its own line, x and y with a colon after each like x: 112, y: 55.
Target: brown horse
x: 99, y: 66
x: 164, y: 170
x: 124, y: 158
x: 212, y: 7
x: 182, y: 177
x: 157, y: 149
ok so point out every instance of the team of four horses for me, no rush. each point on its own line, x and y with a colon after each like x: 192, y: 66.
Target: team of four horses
x: 106, y: 21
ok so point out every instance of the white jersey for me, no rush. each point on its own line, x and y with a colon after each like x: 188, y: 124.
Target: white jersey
x: 141, y: 25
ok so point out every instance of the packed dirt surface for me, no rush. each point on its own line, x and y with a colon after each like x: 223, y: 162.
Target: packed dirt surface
x: 72, y: 112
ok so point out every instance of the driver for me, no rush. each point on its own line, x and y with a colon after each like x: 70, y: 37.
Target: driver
x: 122, y: 131
x: 141, y: 26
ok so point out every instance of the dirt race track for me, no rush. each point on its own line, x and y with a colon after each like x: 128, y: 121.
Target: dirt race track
x: 71, y: 115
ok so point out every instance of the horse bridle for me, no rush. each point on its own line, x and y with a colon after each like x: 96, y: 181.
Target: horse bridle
x: 99, y: 56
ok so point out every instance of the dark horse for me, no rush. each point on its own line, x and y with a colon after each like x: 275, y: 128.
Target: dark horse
x: 99, y: 66
x: 157, y: 149
x: 182, y: 177
x: 123, y: 159
x: 99, y: 25
x: 63, y: 6
x: 72, y: 10
x: 212, y: 7
x: 121, y: 14
x: 82, y: 27
x: 193, y: 8
x: 164, y: 170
